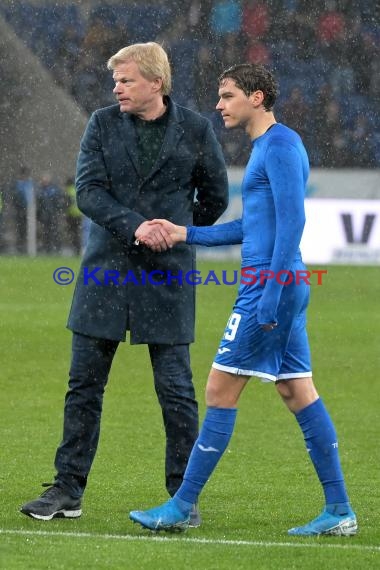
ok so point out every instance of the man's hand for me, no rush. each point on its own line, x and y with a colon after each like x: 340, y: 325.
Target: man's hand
x: 176, y: 233
x: 154, y: 235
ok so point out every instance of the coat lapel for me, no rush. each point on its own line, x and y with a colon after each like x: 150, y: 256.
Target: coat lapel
x: 173, y: 134
x: 128, y: 136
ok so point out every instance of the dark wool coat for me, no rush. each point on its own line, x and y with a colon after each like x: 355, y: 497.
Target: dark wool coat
x: 187, y: 185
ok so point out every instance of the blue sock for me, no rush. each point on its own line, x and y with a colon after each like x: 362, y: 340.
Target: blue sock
x: 322, y: 445
x: 212, y: 441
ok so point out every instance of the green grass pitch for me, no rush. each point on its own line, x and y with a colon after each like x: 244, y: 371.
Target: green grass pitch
x: 264, y: 484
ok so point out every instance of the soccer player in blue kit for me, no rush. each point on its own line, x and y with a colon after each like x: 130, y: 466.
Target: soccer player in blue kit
x: 266, y: 333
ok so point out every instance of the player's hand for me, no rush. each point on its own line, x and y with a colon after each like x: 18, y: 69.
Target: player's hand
x: 176, y: 233
x: 154, y: 236
x: 266, y: 313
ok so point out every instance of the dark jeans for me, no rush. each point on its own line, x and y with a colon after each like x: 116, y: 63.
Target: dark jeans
x: 90, y: 366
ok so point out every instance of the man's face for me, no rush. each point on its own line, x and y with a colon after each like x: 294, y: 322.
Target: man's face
x: 134, y: 93
x: 234, y: 105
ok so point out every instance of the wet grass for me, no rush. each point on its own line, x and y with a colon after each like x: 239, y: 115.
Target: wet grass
x: 264, y: 484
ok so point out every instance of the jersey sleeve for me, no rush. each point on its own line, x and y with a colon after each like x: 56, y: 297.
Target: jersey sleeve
x: 222, y: 234
x: 284, y: 167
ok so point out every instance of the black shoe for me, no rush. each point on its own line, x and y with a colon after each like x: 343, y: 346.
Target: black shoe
x: 54, y: 502
x: 195, y: 517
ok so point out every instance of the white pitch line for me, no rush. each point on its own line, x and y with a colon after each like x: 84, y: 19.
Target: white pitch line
x: 209, y: 541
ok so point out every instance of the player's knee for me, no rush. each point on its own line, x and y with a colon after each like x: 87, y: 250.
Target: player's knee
x: 216, y: 393
x: 223, y: 390
x: 214, y: 396
x: 297, y: 393
x: 284, y: 390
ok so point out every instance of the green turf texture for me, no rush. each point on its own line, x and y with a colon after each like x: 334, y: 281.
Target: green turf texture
x: 264, y: 484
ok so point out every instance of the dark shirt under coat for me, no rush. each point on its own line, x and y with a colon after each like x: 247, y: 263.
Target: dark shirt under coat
x: 114, y: 194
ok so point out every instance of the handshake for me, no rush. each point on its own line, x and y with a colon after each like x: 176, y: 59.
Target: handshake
x: 159, y: 235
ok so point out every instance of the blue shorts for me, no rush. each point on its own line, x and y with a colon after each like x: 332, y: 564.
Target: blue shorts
x: 280, y: 354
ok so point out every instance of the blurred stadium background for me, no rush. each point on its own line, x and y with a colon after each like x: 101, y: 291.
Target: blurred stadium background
x: 326, y: 56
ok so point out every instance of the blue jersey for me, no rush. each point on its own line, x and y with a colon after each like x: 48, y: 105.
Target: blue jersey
x: 273, y: 217
x: 273, y: 192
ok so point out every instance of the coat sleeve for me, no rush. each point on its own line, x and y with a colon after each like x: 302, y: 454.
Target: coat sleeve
x: 92, y: 184
x: 210, y: 180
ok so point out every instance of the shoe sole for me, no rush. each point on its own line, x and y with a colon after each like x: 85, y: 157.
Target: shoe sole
x: 194, y: 523
x: 345, y: 528
x: 178, y: 527
x: 348, y: 527
x: 63, y: 514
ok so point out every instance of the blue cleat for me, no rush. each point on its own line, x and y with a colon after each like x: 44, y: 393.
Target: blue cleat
x: 328, y: 524
x: 165, y: 517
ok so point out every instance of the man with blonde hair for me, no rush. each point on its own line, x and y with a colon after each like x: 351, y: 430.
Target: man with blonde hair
x: 140, y: 159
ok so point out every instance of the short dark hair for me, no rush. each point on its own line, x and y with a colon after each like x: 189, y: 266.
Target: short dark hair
x: 250, y: 77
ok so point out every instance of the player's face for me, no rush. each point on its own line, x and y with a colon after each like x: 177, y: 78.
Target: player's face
x: 234, y: 105
x: 134, y: 93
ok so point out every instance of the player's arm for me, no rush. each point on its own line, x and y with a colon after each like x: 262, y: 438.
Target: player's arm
x: 222, y: 234
x: 284, y: 167
x: 229, y: 233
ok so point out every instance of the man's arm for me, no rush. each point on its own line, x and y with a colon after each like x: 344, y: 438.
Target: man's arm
x: 210, y: 180
x: 285, y: 171
x: 92, y: 184
x: 96, y: 202
x: 222, y: 234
